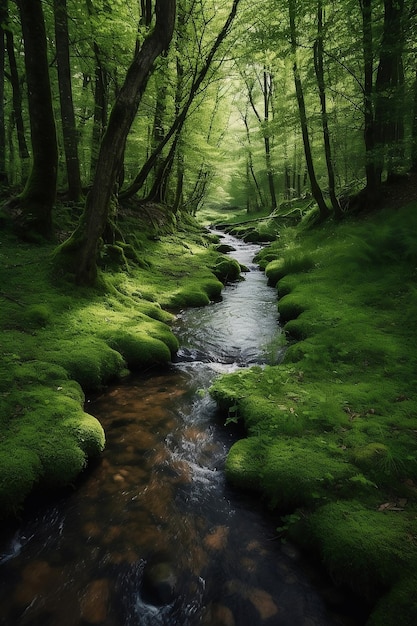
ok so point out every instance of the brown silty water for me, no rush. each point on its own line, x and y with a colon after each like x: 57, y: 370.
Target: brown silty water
x: 152, y: 535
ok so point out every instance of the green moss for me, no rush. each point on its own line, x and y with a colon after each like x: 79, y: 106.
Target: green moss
x: 87, y: 432
x: 138, y: 349
x: 90, y: 361
x: 226, y: 269
x: 369, y: 550
x: 293, y: 263
x: 37, y: 315
x: 399, y: 606
x: 20, y: 470
x: 290, y: 307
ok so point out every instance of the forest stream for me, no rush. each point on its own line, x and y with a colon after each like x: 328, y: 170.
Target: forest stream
x: 153, y: 535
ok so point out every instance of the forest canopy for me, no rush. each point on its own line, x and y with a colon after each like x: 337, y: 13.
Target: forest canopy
x: 194, y: 102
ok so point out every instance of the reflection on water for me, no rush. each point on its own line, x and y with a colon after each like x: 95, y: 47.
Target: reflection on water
x: 152, y: 536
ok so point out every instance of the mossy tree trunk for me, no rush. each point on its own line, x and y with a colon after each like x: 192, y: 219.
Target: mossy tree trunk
x: 34, y: 215
x: 80, y: 251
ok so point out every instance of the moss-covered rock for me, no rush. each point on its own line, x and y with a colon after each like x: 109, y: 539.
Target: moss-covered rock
x: 226, y: 269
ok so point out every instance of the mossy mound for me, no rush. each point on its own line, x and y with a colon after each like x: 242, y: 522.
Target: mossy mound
x: 138, y: 349
x: 46, y: 439
x: 226, y: 269
x: 398, y: 606
x: 361, y: 546
x: 290, y: 472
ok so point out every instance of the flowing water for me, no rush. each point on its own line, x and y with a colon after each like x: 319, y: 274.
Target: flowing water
x: 152, y: 535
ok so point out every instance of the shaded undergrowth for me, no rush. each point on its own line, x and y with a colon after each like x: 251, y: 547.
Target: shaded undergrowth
x: 332, y: 431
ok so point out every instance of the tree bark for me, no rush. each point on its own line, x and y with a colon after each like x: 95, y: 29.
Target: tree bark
x: 319, y: 69
x: 414, y: 130
x: 389, y: 90
x: 315, y: 187
x: 36, y: 202
x: 69, y: 130
x: 81, y: 248
x: 17, y: 106
x: 3, y: 171
x: 373, y: 175
x: 267, y: 93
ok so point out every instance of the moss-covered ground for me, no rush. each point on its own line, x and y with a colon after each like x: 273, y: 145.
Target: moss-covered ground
x: 332, y: 431
x: 59, y: 341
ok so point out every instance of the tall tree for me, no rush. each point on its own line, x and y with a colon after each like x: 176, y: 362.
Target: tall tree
x: 315, y: 187
x: 319, y: 69
x: 389, y: 91
x: 3, y: 20
x: 69, y: 130
x: 81, y: 248
x: 34, y: 215
x: 265, y: 82
x: 373, y: 180
x: 17, y: 113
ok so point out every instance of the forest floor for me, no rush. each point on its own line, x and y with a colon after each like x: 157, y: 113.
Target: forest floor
x: 332, y: 431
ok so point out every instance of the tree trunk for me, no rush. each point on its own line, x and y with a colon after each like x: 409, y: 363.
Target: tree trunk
x: 81, y: 248
x: 315, y: 187
x: 267, y: 93
x: 3, y: 171
x: 373, y: 174
x: 319, y: 69
x: 17, y: 106
x: 389, y: 90
x: 36, y: 202
x: 414, y: 130
x: 100, y: 109
x: 69, y: 130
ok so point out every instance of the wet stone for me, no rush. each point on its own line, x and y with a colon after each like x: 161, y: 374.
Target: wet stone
x: 159, y: 583
x: 217, y: 539
x: 95, y: 602
x: 37, y: 579
x: 219, y: 615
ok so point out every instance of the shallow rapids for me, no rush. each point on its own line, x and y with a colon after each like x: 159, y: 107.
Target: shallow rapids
x: 152, y: 535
